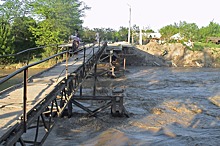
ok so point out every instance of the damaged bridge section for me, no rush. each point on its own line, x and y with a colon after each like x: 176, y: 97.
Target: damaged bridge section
x: 32, y: 108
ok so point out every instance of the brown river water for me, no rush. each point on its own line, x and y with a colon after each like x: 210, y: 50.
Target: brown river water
x: 166, y: 106
x: 16, y: 79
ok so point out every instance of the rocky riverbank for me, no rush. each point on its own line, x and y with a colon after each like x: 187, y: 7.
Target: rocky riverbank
x: 178, y: 55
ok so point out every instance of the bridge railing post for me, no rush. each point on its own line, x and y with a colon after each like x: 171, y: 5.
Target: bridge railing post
x: 67, y: 57
x: 95, y: 79
x: 93, y: 52
x: 84, y: 58
x: 57, y: 49
x: 25, y: 99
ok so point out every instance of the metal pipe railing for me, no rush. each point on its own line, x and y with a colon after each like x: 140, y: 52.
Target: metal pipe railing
x: 25, y: 78
x: 29, y: 117
x: 24, y: 51
x: 25, y: 73
x: 28, y: 66
x: 25, y: 99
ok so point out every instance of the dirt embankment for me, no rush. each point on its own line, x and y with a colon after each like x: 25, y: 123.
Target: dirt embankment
x: 179, y: 56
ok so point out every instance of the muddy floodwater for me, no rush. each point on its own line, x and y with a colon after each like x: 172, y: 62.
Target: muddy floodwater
x: 17, y: 79
x: 167, y: 107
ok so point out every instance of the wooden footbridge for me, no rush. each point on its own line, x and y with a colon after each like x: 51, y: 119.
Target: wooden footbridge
x: 34, y: 105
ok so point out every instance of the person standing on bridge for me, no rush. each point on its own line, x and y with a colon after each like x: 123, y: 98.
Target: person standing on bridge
x: 75, y: 43
x: 97, y: 37
x: 77, y: 33
x: 74, y: 40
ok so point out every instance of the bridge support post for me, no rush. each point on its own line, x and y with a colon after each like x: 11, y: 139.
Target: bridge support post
x: 95, y: 79
x: 67, y: 57
x: 70, y: 108
x: 117, y: 108
x: 25, y: 100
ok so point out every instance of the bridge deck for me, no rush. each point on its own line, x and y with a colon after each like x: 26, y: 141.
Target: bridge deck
x: 11, y: 101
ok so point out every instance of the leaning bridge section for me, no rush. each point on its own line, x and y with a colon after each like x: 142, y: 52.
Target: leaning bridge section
x: 33, y: 106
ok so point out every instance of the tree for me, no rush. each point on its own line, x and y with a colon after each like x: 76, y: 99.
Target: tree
x: 135, y: 33
x: 23, y: 37
x: 189, y: 31
x: 10, y: 10
x: 212, y: 30
x: 168, y: 31
x: 88, y: 35
x: 145, y: 32
x: 6, y: 40
x: 122, y: 34
x: 109, y: 34
x: 57, y: 20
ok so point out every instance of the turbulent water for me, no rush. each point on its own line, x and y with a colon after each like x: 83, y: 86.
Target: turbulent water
x: 167, y: 107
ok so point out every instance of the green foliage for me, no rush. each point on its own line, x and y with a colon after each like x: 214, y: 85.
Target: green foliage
x: 10, y: 12
x: 6, y: 39
x: 122, y: 34
x: 147, y: 30
x: 199, y: 46
x: 57, y: 21
x: 168, y: 31
x: 208, y: 45
x: 212, y: 30
x: 88, y: 35
x: 27, y: 23
x: 106, y: 34
x: 58, y: 18
x: 189, y: 31
x: 22, y: 34
x: 45, y: 32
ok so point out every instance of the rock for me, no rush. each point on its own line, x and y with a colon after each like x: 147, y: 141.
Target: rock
x: 179, y: 55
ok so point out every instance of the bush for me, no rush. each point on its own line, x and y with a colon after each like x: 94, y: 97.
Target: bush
x: 198, y: 46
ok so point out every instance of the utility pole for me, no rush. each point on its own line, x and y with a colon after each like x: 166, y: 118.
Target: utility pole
x: 140, y: 37
x: 129, y: 28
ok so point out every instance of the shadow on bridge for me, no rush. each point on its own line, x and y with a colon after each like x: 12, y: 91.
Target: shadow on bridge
x: 51, y: 94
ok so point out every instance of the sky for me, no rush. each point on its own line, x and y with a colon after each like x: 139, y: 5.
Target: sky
x: 153, y: 14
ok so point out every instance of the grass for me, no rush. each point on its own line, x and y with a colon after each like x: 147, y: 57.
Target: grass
x: 198, y: 46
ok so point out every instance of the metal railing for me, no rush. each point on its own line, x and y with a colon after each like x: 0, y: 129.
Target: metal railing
x: 26, y: 68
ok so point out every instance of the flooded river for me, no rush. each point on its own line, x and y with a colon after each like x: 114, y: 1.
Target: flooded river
x: 17, y: 79
x: 167, y: 107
